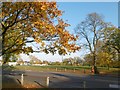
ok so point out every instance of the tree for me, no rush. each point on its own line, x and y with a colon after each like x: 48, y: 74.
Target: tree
x: 104, y: 59
x: 90, y: 30
x: 34, y: 22
x: 65, y: 61
x: 34, y: 60
x: 107, y: 49
x: 88, y: 59
x: 13, y: 58
x: 113, y: 40
x: 78, y: 61
x: 69, y: 61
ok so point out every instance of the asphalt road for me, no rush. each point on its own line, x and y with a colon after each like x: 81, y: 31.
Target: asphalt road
x: 66, y: 80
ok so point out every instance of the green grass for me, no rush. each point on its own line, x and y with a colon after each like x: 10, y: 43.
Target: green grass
x: 52, y: 67
x: 78, y: 69
x: 61, y: 67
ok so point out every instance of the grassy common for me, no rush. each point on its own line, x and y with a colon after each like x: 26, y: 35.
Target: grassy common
x: 72, y: 69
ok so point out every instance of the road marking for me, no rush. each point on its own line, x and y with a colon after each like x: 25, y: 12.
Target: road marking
x: 103, y: 80
x: 114, y: 86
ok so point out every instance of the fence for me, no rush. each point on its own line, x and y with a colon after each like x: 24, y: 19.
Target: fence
x: 84, y: 71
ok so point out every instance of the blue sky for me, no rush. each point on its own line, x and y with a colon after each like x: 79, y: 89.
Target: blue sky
x: 75, y: 12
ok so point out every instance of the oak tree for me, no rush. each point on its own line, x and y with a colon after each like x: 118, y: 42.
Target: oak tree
x: 34, y: 22
x: 113, y: 40
x: 112, y: 43
x: 104, y: 59
x: 90, y: 32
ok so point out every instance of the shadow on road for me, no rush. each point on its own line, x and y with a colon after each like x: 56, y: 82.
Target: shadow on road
x: 60, y: 80
x: 115, y: 73
x: 8, y: 80
x: 83, y: 81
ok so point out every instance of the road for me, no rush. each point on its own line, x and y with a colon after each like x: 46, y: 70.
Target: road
x: 66, y: 80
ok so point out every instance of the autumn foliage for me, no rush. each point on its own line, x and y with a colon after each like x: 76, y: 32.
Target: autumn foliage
x: 40, y: 22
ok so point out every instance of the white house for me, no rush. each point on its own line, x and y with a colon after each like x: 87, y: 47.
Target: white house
x: 39, y: 64
x: 0, y: 62
x: 12, y: 63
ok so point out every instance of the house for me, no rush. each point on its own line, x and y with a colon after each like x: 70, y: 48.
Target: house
x: 0, y: 62
x: 27, y: 63
x: 12, y: 63
x: 20, y: 62
x: 39, y: 64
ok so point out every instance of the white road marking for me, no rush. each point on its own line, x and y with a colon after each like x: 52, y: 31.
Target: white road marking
x: 114, y: 86
x: 103, y: 80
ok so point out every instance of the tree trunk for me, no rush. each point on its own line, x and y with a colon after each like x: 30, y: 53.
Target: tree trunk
x: 95, y: 70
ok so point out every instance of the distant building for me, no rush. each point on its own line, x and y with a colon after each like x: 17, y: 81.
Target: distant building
x: 0, y: 62
x: 12, y: 63
x: 20, y: 62
x: 39, y: 64
x: 27, y: 63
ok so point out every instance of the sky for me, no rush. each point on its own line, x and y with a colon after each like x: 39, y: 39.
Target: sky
x: 74, y: 13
